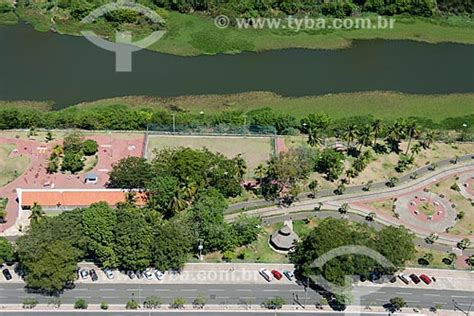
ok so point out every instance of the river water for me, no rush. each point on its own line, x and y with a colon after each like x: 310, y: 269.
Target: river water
x: 68, y: 69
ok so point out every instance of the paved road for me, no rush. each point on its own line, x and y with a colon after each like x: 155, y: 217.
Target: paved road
x: 168, y: 312
x: 224, y: 294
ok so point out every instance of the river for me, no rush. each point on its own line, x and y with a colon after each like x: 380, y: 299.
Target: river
x: 69, y: 69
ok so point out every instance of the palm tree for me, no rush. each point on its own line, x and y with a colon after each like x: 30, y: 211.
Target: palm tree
x: 412, y: 131
x: 343, y: 209
x: 464, y: 243
x: 241, y: 166
x: 395, y: 133
x: 470, y: 260
x: 314, y: 140
x: 429, y: 139
x: 365, y: 136
x: 260, y: 172
x: 351, y: 173
x: 452, y: 256
x: 313, y: 186
x: 376, y: 127
x: 36, y: 215
x: 177, y: 204
x: 415, y: 150
x: 349, y: 134
x: 370, y: 217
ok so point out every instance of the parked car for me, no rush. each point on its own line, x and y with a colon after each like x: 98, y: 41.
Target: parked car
x: 266, y: 274
x: 139, y: 274
x: 109, y: 273
x: 277, y: 274
x: 404, y: 279
x: 131, y: 275
x: 393, y: 279
x: 83, y: 273
x: 414, y: 278
x: 425, y: 278
x: 289, y: 275
x: 147, y: 274
x: 93, y: 275
x: 159, y: 275
x: 7, y: 274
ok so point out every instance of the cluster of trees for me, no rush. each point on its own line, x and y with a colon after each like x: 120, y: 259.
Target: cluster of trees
x: 185, y: 192
x: 334, y: 8
x: 70, y: 156
x: 264, y: 120
x: 394, y: 243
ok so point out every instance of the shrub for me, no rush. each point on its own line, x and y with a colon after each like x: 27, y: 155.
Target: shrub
x: 30, y: 302
x: 274, y: 303
x: 131, y: 304
x: 178, y: 303
x: 152, y: 302
x: 80, y: 304
x: 104, y: 305
x: 199, y: 302
x: 89, y: 147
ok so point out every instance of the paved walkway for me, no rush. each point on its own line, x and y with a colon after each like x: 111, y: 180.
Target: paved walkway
x: 357, y: 201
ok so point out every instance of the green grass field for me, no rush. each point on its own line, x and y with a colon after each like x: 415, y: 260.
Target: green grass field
x: 193, y: 34
x: 385, y: 105
x: 255, y: 150
x: 10, y: 168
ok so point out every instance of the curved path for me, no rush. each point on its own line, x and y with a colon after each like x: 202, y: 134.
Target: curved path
x: 356, y: 198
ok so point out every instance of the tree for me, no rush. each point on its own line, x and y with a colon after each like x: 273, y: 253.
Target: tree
x: 37, y: 214
x: 452, y: 257
x: 415, y: 150
x: 130, y: 173
x: 90, y: 147
x: 172, y: 242
x: 464, y: 243
x: 376, y: 127
x: 351, y: 173
x: 314, y: 138
x: 313, y: 185
x: 260, y: 172
x: 241, y: 166
x: 6, y: 251
x: 152, y: 302
x: 349, y: 134
x: 330, y: 162
x: 247, y: 229
x: 397, y: 303
x: 207, y: 214
x: 178, y: 303
x: 99, y: 222
x: 412, y: 131
x: 395, y: 133
x: 370, y: 217
x: 341, y: 188
x: 72, y: 162
x: 80, y: 304
x: 199, y: 302
x: 364, y: 136
x: 52, y: 269
x: 392, y: 182
x: 343, y: 209
x: 273, y: 303
x: 470, y: 261
x: 131, y: 304
x: 49, y: 136
x: 397, y: 245
x: 72, y: 143
x: 133, y: 239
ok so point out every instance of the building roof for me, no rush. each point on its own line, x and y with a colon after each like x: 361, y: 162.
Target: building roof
x: 284, y: 239
x: 57, y: 197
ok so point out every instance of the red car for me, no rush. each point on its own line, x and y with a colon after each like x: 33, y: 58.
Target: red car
x: 425, y: 278
x: 277, y: 274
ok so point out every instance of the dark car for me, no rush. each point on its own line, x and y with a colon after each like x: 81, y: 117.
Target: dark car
x: 7, y: 274
x: 414, y: 278
x: 93, y: 275
x: 404, y: 279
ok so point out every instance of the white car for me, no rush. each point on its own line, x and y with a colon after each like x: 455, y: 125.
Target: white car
x: 109, y: 273
x: 148, y: 275
x: 159, y: 275
x: 266, y: 274
x: 83, y: 273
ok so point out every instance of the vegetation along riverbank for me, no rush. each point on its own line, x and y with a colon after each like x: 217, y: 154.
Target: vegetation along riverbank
x: 191, y: 30
x: 267, y: 111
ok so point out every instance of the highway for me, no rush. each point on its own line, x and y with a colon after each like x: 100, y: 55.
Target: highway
x: 223, y: 294
x: 181, y: 313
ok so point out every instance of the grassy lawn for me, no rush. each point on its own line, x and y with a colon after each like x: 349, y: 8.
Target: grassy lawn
x: 11, y: 168
x: 384, y: 105
x: 255, y: 150
x: 465, y: 226
x: 90, y: 163
x: 436, y: 262
x: 385, y: 206
x: 303, y: 227
x: 196, y: 34
x: 258, y: 251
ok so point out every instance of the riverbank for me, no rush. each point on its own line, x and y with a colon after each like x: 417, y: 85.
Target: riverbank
x: 191, y: 35
x: 384, y: 105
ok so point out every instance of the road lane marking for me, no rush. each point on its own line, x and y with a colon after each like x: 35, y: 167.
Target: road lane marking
x: 403, y: 293
x: 460, y: 296
x: 105, y: 290
x: 271, y: 290
x: 216, y: 290
x: 412, y: 301
x: 431, y: 294
x: 109, y: 297
x: 188, y: 290
x: 162, y: 290
x: 243, y: 290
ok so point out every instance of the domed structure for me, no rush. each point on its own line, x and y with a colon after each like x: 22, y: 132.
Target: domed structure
x: 284, y: 239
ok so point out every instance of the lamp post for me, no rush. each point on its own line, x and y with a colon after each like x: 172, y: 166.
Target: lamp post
x: 174, y: 122
x: 200, y: 248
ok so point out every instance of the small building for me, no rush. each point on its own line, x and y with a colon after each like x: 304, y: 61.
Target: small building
x: 55, y: 200
x: 90, y: 178
x: 284, y: 239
